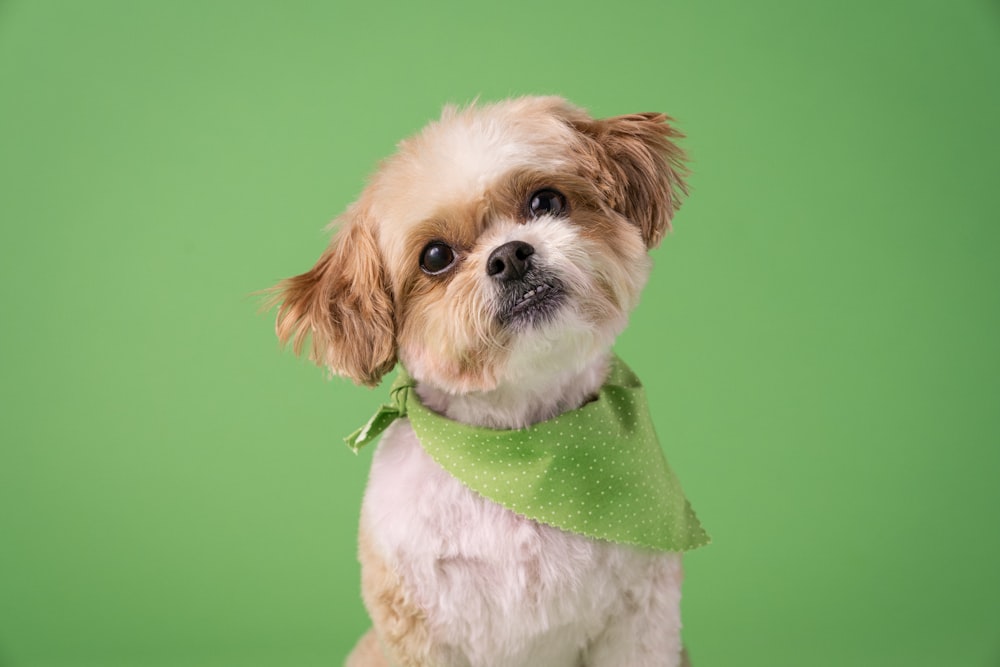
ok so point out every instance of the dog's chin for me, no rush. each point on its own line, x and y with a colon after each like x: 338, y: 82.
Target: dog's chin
x: 550, y: 340
x: 554, y: 341
x: 553, y: 362
x: 545, y: 336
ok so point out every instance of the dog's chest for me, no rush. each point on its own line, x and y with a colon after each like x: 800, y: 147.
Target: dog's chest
x: 488, y: 579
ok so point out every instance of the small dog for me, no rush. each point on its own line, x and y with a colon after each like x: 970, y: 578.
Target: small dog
x: 497, y: 256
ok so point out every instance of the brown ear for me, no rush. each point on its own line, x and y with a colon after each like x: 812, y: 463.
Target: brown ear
x: 640, y: 168
x: 344, y: 305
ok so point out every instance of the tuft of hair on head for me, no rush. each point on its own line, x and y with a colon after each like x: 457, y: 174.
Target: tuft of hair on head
x: 342, y: 307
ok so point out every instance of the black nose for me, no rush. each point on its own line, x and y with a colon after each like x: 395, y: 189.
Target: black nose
x: 509, y: 261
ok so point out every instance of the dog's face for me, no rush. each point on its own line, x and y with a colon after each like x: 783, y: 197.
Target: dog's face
x: 501, y: 244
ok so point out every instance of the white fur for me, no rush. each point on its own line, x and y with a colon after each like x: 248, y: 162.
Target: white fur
x: 503, y: 591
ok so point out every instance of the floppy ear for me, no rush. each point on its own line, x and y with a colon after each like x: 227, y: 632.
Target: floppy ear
x: 640, y: 168
x: 344, y: 305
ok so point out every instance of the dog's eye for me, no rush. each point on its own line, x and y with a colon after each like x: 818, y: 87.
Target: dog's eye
x: 546, y: 202
x: 436, y: 258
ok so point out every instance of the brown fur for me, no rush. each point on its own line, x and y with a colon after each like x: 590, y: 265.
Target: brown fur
x: 355, y: 308
x: 401, y: 625
x: 344, y: 306
x: 509, y: 197
x: 639, y: 166
x: 450, y: 333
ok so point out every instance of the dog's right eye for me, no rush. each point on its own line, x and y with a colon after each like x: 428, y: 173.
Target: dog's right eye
x: 546, y: 202
x: 436, y: 258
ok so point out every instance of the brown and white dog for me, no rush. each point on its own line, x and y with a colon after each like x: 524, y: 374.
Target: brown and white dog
x: 497, y: 255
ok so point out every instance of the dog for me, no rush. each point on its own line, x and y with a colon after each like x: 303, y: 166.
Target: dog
x: 496, y: 256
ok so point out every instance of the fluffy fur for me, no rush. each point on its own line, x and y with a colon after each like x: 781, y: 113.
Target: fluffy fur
x: 450, y: 578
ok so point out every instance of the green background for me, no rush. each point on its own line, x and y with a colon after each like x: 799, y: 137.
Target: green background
x: 820, y: 338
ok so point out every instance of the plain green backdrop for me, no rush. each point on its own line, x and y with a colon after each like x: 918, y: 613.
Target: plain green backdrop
x: 820, y: 338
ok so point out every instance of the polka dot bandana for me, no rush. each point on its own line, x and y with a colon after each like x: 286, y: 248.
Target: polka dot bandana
x: 597, y: 470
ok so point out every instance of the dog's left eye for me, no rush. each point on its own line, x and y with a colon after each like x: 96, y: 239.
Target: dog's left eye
x: 436, y: 257
x: 546, y: 202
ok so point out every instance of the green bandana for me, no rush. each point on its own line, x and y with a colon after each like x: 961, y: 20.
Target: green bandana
x: 597, y: 470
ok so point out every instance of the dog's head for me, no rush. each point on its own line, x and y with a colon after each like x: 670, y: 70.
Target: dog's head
x: 500, y: 243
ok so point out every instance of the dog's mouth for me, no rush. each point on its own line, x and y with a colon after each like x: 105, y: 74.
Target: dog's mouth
x: 533, y: 297
x: 532, y: 300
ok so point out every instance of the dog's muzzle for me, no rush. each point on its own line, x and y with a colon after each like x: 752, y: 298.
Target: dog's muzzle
x: 528, y: 294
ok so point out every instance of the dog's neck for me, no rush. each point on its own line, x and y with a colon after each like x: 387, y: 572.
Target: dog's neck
x: 519, y: 405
